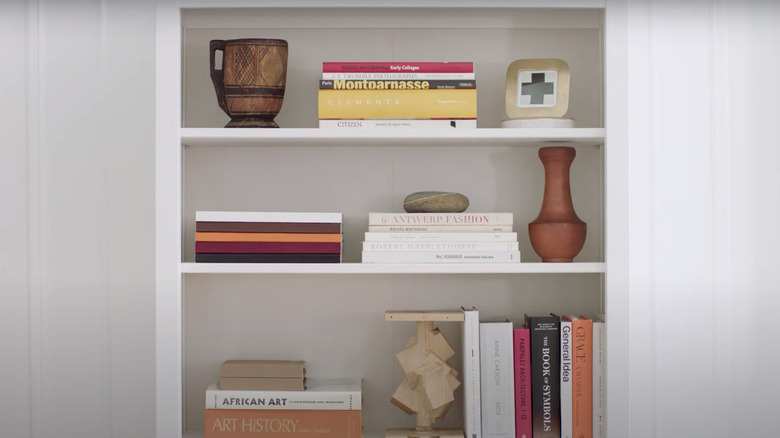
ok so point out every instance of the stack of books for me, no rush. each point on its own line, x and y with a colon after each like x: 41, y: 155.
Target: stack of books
x: 440, y: 238
x: 267, y: 237
x: 398, y: 95
x: 328, y: 408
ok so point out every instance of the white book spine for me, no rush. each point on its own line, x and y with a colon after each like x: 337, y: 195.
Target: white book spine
x: 440, y: 237
x: 266, y: 216
x: 567, y: 415
x: 472, y: 413
x: 441, y: 256
x: 398, y: 76
x: 458, y: 219
x: 440, y: 246
x: 599, y: 371
x: 397, y: 123
x: 497, y: 379
x: 331, y: 400
x: 440, y: 228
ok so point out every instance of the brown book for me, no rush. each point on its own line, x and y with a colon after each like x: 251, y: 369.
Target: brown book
x: 258, y: 423
x: 263, y: 383
x: 268, y: 227
x: 262, y: 368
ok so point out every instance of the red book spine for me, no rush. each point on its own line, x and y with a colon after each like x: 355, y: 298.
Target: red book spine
x: 522, y: 350
x: 267, y: 248
x: 398, y: 67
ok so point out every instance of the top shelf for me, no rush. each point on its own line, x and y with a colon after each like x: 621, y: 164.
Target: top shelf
x: 449, y: 137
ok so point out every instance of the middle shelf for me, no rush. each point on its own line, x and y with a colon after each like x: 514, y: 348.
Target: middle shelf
x: 374, y: 268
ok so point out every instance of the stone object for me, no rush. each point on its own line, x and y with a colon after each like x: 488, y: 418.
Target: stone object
x: 250, y: 85
x: 436, y: 202
x: 557, y: 234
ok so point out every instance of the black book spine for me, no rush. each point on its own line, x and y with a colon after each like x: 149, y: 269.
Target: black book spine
x: 545, y: 375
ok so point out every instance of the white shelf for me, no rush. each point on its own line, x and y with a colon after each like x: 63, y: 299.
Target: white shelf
x: 378, y: 137
x: 381, y: 268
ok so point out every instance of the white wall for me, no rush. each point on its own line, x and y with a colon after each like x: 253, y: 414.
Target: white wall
x: 704, y: 197
x: 77, y: 218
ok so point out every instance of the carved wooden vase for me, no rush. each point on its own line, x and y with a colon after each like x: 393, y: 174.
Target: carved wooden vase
x: 250, y: 86
x: 557, y: 234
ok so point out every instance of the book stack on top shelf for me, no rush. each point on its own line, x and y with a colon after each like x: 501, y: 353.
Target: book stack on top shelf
x: 267, y: 237
x: 254, y: 408
x: 440, y: 238
x: 398, y: 95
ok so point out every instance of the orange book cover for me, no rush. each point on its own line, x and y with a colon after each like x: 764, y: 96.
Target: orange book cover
x: 582, y: 376
x: 252, y: 423
x: 267, y: 237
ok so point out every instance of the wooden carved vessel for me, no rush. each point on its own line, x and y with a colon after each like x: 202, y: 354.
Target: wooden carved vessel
x: 250, y: 86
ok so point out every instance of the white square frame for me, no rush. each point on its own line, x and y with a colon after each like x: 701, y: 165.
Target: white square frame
x: 561, y: 100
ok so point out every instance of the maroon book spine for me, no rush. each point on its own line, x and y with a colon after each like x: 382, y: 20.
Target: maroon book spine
x: 268, y: 227
x: 398, y: 67
x: 268, y: 247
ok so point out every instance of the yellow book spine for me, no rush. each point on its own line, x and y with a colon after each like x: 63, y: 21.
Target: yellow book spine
x: 395, y: 104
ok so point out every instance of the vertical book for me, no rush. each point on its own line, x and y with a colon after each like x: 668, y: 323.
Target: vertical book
x: 582, y: 375
x: 566, y: 384
x: 522, y: 350
x: 497, y: 383
x: 599, y: 371
x: 545, y: 375
x: 471, y: 374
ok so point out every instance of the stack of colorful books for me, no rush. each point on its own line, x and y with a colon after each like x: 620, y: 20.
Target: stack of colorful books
x: 267, y: 237
x: 330, y: 408
x: 440, y: 238
x: 398, y: 95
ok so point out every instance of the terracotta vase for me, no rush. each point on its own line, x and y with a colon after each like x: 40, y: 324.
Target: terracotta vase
x: 250, y: 86
x: 557, y: 234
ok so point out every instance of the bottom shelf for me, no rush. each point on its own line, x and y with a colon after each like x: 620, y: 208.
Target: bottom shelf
x: 377, y: 268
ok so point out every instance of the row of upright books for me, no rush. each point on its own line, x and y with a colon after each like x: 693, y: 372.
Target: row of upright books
x: 267, y: 237
x: 257, y: 407
x: 440, y: 238
x: 547, y: 374
x: 397, y: 95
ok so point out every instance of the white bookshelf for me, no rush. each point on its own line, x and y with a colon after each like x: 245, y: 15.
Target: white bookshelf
x: 381, y: 268
x: 378, y: 137
x: 331, y: 315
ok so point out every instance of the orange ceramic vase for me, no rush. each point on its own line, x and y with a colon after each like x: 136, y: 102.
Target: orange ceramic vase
x: 557, y: 234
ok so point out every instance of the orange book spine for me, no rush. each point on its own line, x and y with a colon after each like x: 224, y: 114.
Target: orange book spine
x: 582, y: 381
x: 249, y: 423
x: 266, y: 237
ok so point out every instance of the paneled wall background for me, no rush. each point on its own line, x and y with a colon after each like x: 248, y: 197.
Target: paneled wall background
x: 77, y: 102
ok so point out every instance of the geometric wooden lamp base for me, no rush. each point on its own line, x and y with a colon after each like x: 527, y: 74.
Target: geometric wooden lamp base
x: 429, y: 380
